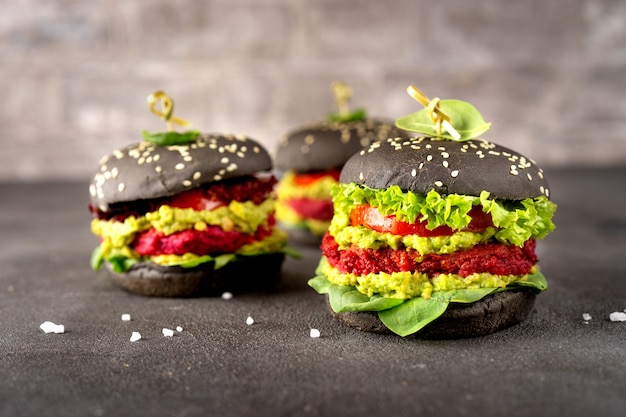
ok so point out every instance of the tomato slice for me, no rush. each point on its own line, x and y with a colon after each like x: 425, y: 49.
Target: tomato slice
x: 370, y: 217
x: 194, y: 199
x: 304, y: 179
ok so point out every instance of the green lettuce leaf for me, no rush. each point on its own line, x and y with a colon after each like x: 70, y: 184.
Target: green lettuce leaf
x: 516, y: 221
x: 464, y: 117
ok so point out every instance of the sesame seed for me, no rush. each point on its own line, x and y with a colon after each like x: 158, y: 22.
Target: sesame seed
x: 187, y: 183
x: 309, y: 139
x: 445, y: 154
x: 413, y: 172
x: 92, y: 190
x: 158, y: 169
x: 445, y: 164
x: 454, y: 173
x: 241, y: 154
x: 197, y: 175
x: 121, y: 187
x: 141, y: 160
x: 217, y: 177
x: 156, y: 157
x: 361, y: 176
x: 429, y: 158
x: 188, y: 159
x: 224, y: 160
x: 256, y: 149
x: 530, y: 178
x: 231, y: 167
x: 180, y: 166
x: 439, y: 183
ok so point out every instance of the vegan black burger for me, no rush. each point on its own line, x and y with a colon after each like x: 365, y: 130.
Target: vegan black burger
x: 184, y: 214
x: 310, y: 158
x: 435, y: 235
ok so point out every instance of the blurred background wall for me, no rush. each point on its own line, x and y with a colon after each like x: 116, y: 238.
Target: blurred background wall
x: 74, y: 75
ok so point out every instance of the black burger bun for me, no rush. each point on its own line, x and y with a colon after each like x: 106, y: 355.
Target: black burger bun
x: 144, y: 170
x: 318, y: 146
x: 421, y: 164
x: 488, y: 315
x: 247, y: 274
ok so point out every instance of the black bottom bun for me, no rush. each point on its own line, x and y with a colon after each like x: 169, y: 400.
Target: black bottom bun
x: 247, y: 274
x: 488, y: 315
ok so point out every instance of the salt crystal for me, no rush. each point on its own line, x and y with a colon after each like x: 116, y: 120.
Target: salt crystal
x: 168, y: 332
x: 586, y: 316
x: 125, y: 317
x: 49, y: 327
x: 135, y: 336
x: 315, y: 333
x: 227, y: 295
x: 249, y: 321
x: 179, y: 329
x: 617, y: 316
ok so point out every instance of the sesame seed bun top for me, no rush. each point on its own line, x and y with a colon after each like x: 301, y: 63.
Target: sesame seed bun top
x: 145, y: 171
x: 318, y: 146
x: 421, y: 164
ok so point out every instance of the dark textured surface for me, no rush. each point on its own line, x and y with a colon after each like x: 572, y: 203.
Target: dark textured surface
x: 422, y: 164
x: 553, y: 364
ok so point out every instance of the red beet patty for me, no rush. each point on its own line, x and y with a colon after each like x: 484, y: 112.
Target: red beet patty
x: 493, y: 258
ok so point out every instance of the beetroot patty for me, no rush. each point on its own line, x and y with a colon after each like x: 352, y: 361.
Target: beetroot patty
x: 209, y: 241
x: 312, y: 209
x: 493, y: 258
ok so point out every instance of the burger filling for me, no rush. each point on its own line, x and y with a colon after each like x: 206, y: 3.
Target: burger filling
x: 394, y: 252
x: 234, y: 217
x: 304, y: 201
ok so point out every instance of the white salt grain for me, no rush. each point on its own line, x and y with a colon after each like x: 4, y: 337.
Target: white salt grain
x: 617, y: 316
x: 586, y: 316
x: 49, y: 327
x: 227, y: 295
x: 168, y: 332
x: 125, y: 317
x: 179, y: 329
x: 249, y: 321
x: 315, y: 333
x: 135, y: 336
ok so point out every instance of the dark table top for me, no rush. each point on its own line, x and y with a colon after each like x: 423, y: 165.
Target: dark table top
x: 554, y: 364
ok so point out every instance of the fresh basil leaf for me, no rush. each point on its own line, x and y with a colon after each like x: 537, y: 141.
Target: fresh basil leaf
x: 170, y: 138
x: 121, y: 264
x: 535, y: 281
x: 354, y: 116
x: 320, y: 284
x: 357, y: 301
x: 222, y: 260
x: 412, y: 315
x: 196, y: 261
x: 465, y: 295
x: 97, y: 259
x: 464, y: 117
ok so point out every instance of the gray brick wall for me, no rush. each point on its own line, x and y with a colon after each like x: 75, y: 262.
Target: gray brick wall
x: 74, y: 75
